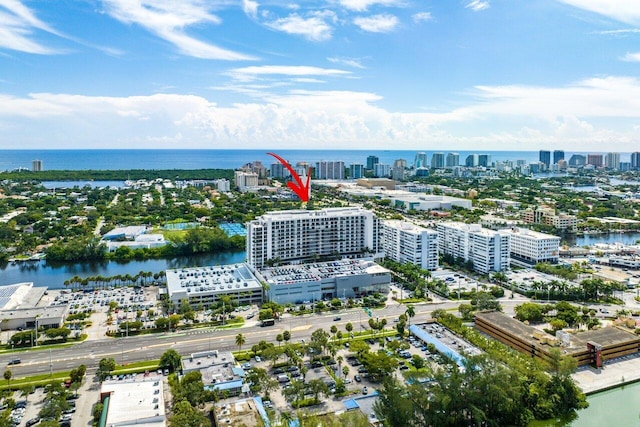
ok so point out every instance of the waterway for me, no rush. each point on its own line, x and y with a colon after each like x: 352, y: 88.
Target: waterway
x: 53, y: 276
x: 616, y: 407
x: 628, y: 238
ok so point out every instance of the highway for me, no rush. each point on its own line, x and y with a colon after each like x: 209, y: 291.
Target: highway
x: 147, y: 347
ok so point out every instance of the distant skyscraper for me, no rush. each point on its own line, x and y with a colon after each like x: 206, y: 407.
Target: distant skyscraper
x: 36, y: 165
x: 397, y: 173
x: 453, y: 160
x: 595, y: 160
x: 577, y: 160
x: 329, y: 170
x: 372, y: 161
x: 471, y: 160
x: 612, y: 161
x: 437, y: 161
x: 382, y: 170
x: 545, y: 157
x: 557, y: 156
x: 420, y: 160
x: 356, y: 171
x: 484, y: 160
x: 276, y: 170
x: 635, y: 160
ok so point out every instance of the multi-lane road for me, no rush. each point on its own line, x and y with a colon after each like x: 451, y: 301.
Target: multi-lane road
x: 147, y: 347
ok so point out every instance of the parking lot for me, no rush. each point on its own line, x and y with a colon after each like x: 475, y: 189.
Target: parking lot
x: 456, y: 281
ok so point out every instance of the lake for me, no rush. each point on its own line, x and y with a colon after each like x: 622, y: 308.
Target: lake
x: 53, y: 276
x: 629, y: 238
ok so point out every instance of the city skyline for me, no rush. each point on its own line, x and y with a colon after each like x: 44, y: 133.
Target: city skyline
x: 333, y: 74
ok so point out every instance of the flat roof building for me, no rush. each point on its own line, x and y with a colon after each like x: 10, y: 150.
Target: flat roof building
x: 405, y: 242
x: 325, y: 280
x: 218, y: 370
x: 488, y: 250
x: 297, y: 236
x: 242, y: 412
x: 134, y: 402
x: 530, y: 247
x: 588, y: 347
x: 205, y: 285
x: 125, y: 233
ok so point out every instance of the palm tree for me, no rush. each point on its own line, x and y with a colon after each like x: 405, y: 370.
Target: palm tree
x: 286, y: 418
x: 279, y: 338
x: 410, y: 312
x: 240, y: 340
x: 339, y: 359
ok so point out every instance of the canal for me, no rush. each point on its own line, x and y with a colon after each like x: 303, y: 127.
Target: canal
x: 615, y: 407
x: 53, y: 276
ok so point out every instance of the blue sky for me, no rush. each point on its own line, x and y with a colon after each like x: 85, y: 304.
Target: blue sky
x: 321, y: 74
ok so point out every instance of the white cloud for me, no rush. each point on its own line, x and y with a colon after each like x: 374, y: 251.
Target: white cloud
x: 627, y: 11
x: 382, y: 23
x: 631, y: 57
x: 421, y: 17
x: 251, y: 73
x: 17, y: 27
x: 351, y: 62
x: 167, y: 19
x: 250, y: 7
x: 314, y: 28
x: 478, y: 5
x: 620, y: 32
x: 583, y: 116
x: 363, y: 5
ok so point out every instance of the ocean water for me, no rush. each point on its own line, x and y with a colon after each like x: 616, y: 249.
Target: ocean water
x: 216, y: 159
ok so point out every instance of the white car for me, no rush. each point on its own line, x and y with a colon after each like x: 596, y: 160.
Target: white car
x: 258, y: 359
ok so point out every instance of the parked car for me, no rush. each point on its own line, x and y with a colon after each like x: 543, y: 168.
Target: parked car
x: 357, y: 378
x: 365, y: 390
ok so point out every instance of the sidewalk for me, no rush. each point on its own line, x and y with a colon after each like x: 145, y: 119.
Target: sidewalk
x: 89, y: 393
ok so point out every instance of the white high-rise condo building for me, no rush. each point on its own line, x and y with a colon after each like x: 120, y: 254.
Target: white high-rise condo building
x: 488, y: 250
x: 612, y: 161
x: 531, y: 247
x: 244, y: 180
x: 330, y: 170
x: 405, y: 242
x: 298, y: 236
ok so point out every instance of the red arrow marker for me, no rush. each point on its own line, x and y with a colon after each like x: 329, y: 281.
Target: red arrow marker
x: 302, y: 190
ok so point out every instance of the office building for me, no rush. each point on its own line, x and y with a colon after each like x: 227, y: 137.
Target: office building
x: 452, y: 160
x: 471, y: 160
x: 595, y: 160
x: 420, y: 160
x: 372, y: 161
x: 36, y: 165
x: 205, y: 285
x: 557, y: 156
x: 297, y: 236
x: 577, y: 160
x: 635, y: 160
x: 546, y: 215
x: 218, y: 370
x: 405, y: 242
x: 346, y: 278
x: 545, y: 157
x: 487, y: 250
x: 529, y: 247
x: 484, y: 160
x: 625, y: 166
x: 612, y: 161
x: 245, y: 180
x: 356, y: 171
x: 381, y: 170
x: 330, y: 170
